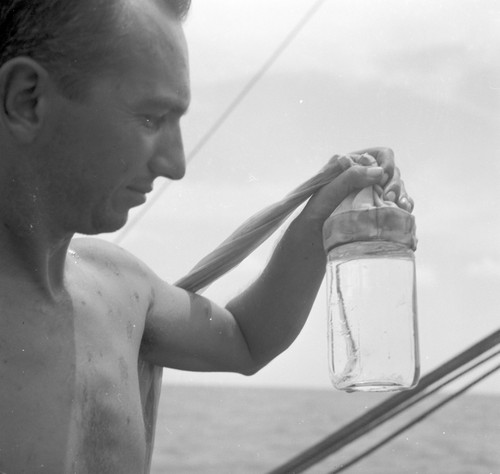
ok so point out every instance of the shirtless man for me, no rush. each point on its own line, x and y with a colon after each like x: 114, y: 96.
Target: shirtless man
x: 91, y: 97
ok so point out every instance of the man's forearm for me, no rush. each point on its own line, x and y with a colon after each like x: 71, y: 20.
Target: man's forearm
x: 273, y: 310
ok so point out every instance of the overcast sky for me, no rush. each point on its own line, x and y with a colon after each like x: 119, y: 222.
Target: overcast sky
x: 420, y: 76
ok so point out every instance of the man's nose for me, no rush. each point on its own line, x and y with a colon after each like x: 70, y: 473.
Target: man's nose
x: 169, y: 160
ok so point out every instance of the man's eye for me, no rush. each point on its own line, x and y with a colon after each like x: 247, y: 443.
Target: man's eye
x: 151, y: 122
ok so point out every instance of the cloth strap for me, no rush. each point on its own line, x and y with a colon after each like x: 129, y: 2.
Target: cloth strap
x: 255, y: 230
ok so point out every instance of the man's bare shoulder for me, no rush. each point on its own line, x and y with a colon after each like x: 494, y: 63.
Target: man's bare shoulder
x: 110, y: 258
x: 120, y: 269
x: 100, y: 252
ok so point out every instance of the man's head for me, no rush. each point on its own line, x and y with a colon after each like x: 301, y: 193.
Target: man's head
x: 71, y: 38
x: 91, y: 96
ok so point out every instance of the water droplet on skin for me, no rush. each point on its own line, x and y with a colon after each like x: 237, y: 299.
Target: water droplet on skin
x: 73, y: 254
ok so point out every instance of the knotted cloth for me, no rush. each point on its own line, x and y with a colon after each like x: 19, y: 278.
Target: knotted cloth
x: 364, y: 216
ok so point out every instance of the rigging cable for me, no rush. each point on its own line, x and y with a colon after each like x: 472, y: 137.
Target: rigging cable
x: 391, y: 407
x: 414, y: 421
x: 226, y: 113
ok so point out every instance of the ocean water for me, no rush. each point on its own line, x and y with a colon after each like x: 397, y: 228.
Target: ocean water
x: 236, y: 430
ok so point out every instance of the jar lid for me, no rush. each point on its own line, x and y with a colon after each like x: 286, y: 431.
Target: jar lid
x: 358, y: 219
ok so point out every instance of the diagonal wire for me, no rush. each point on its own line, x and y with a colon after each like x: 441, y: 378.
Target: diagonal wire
x: 226, y: 113
x: 386, y: 410
x: 414, y: 421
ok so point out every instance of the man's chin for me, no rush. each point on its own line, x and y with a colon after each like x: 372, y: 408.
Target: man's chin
x: 105, y: 224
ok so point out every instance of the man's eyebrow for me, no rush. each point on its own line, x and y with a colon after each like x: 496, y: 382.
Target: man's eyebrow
x: 165, y: 103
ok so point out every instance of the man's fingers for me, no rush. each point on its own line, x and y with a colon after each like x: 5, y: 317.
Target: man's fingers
x: 392, y: 189
x: 372, y: 166
x: 390, y: 196
x: 383, y: 156
x: 405, y: 202
x: 356, y: 177
x: 395, y: 191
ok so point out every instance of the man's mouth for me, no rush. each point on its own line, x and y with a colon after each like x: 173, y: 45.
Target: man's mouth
x: 140, y: 189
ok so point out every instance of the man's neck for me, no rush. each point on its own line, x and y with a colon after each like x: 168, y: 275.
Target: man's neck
x: 34, y: 256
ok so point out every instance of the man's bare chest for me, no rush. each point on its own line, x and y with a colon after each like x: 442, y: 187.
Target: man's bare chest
x: 69, y: 378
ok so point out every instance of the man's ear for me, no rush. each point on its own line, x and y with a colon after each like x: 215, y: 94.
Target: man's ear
x: 23, y: 85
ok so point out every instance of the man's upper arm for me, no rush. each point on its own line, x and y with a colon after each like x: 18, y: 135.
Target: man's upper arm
x: 184, y: 330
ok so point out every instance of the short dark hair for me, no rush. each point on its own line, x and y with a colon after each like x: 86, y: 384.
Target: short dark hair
x: 71, y: 38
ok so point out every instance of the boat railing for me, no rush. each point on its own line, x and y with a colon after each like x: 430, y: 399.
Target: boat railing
x: 482, y: 357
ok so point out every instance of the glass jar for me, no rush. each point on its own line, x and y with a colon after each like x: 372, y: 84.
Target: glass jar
x: 372, y: 316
